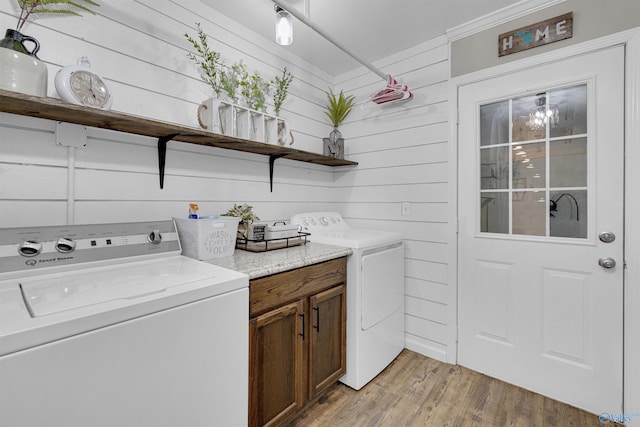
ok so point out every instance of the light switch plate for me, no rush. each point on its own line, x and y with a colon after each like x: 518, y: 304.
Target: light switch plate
x: 406, y: 208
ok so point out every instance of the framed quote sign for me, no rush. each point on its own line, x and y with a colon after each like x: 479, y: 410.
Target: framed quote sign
x: 534, y: 35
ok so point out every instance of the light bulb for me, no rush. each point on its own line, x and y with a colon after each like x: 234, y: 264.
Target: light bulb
x: 284, y: 27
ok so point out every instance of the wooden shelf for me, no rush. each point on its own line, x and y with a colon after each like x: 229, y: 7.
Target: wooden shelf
x: 55, y: 109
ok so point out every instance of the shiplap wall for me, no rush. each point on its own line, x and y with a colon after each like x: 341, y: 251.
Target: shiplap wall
x: 139, y: 48
x: 402, y: 151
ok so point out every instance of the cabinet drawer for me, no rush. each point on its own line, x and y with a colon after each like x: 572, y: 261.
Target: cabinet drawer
x: 269, y: 292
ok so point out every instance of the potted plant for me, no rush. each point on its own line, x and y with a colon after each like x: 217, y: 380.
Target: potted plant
x: 25, y: 72
x: 246, y: 215
x: 281, y: 84
x: 211, y: 68
x: 260, y: 89
x: 243, y: 211
x: 337, y: 110
x: 209, y: 61
x: 253, y: 89
x: 231, y: 81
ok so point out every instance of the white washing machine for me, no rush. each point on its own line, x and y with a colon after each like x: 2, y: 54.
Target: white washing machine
x: 108, y: 325
x: 375, y: 292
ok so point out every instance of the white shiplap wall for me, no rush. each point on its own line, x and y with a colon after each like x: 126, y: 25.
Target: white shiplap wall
x: 402, y: 150
x: 138, y: 46
x: 140, y: 50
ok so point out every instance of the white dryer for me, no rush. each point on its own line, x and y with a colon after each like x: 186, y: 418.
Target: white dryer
x: 375, y: 292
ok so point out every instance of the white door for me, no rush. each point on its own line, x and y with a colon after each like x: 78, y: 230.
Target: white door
x: 540, y: 225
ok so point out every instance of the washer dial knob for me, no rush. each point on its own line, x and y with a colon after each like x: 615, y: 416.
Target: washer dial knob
x: 29, y: 248
x: 154, y: 237
x: 65, y: 245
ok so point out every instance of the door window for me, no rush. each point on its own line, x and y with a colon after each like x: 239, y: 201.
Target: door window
x: 533, y: 164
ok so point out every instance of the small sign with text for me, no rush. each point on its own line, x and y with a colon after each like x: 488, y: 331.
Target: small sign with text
x: 541, y: 33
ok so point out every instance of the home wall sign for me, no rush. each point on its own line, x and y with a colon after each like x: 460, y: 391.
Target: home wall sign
x: 538, y: 34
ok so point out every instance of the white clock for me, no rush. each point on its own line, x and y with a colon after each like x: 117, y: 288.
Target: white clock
x: 77, y: 84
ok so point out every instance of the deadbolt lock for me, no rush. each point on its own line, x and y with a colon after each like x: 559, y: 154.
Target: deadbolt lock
x: 607, y: 237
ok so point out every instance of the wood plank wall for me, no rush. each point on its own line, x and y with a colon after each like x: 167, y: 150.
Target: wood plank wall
x: 402, y: 151
x: 138, y: 46
x: 140, y: 50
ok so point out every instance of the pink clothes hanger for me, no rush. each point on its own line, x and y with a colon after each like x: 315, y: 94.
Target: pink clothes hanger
x: 392, y: 93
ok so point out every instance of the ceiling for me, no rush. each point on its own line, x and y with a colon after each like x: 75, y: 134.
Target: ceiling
x: 373, y: 29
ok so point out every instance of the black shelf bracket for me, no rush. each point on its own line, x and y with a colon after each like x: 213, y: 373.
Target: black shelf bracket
x: 162, y: 155
x: 272, y: 159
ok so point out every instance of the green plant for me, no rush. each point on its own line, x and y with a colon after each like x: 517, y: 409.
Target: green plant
x: 260, y: 89
x: 281, y: 84
x: 253, y: 88
x: 230, y: 83
x: 209, y: 61
x: 244, y: 211
x: 28, y: 7
x: 244, y: 82
x: 339, y: 107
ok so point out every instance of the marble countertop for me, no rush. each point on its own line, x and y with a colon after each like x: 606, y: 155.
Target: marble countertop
x: 260, y: 264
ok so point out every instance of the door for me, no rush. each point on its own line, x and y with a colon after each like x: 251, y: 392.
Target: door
x: 328, y: 339
x: 540, y: 229
x: 382, y: 284
x: 276, y: 365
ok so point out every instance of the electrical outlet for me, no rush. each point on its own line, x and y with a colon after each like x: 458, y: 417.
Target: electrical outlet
x: 406, y: 208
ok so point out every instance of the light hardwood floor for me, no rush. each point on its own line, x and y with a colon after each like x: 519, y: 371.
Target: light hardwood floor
x: 418, y: 391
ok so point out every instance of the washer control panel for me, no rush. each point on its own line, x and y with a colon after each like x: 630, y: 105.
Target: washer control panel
x: 30, y: 248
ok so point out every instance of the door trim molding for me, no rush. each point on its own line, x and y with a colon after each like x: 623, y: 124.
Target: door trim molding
x: 631, y: 40
x: 632, y: 230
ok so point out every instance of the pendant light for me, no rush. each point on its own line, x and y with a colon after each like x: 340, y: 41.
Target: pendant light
x: 284, y: 27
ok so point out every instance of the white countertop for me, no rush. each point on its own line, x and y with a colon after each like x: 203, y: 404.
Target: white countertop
x: 260, y: 264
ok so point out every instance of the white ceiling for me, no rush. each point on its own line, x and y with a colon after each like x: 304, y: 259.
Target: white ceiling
x: 373, y: 29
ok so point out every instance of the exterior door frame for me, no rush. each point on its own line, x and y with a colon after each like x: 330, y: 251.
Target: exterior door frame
x: 631, y: 277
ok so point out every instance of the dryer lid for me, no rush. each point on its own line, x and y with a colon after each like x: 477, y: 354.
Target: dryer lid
x: 355, y: 238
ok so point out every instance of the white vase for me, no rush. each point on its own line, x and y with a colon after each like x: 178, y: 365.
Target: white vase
x: 209, y: 115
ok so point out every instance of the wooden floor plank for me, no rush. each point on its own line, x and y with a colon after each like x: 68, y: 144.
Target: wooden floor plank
x: 422, y: 392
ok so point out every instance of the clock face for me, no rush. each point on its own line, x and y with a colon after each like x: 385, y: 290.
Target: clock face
x: 89, y: 89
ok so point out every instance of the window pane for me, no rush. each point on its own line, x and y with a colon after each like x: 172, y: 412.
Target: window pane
x: 523, y: 126
x: 533, y: 182
x: 571, y: 104
x: 568, y: 163
x: 494, y: 212
x: 529, y: 165
x: 494, y: 168
x: 568, y: 216
x: 494, y: 123
x: 529, y: 213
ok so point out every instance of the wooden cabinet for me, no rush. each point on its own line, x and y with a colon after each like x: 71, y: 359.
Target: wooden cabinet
x: 297, y: 339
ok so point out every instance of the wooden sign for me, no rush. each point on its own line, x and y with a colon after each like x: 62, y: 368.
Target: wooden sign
x: 541, y: 33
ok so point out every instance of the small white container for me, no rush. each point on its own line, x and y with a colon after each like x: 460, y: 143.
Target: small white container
x: 281, y: 231
x: 207, y: 238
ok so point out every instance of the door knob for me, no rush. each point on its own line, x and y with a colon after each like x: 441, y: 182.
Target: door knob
x: 607, y: 237
x: 607, y: 262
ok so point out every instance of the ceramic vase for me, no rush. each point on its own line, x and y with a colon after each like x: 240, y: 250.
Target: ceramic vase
x: 20, y: 69
x: 334, y: 145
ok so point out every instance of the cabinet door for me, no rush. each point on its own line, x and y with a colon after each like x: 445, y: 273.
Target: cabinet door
x: 328, y: 351
x: 276, y: 386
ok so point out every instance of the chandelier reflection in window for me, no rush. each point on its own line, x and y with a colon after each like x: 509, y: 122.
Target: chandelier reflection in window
x: 544, y: 114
